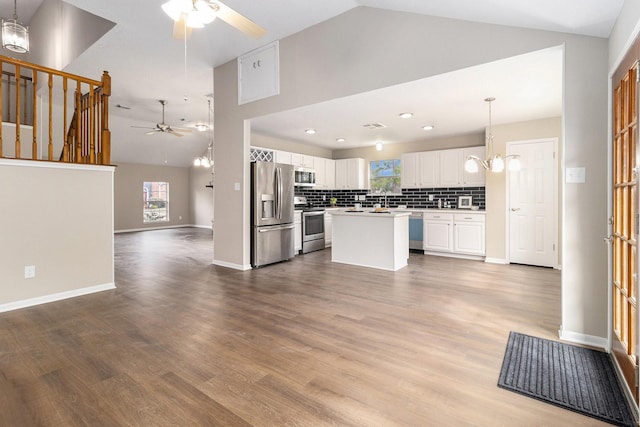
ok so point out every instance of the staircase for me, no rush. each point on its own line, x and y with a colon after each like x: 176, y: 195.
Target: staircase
x: 74, y: 120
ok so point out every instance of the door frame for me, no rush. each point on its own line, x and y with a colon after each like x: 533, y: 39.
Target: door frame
x: 556, y: 215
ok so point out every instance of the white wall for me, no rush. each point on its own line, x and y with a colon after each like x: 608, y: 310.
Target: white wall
x: 59, y: 218
x: 366, y: 49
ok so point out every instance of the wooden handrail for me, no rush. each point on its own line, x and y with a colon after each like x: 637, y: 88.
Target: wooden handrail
x: 86, y: 138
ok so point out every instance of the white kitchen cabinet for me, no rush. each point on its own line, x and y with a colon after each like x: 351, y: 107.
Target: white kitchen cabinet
x: 297, y: 231
x: 351, y: 174
x: 419, y: 170
x: 438, y: 232
x: 325, y: 173
x: 476, y: 179
x: 469, y: 234
x: 451, y: 168
x: 410, y: 170
x: 328, y: 227
x: 283, y: 157
x: 302, y: 160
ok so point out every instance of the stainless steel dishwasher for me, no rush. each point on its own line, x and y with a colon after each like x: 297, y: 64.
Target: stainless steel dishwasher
x: 416, y: 232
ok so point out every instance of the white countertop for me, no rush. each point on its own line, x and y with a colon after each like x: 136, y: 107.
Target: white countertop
x: 370, y: 212
x: 409, y: 210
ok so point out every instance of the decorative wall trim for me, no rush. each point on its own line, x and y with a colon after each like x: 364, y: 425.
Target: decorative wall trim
x: 55, y: 297
x: 579, y: 338
x: 55, y: 165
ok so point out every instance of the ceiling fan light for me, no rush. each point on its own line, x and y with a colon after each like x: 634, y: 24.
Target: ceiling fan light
x: 175, y: 8
x: 206, y: 13
x: 197, y: 161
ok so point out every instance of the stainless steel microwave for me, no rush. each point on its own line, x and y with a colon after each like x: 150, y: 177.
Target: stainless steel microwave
x: 304, y: 177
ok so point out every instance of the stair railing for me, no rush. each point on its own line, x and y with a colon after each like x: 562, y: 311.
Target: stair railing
x: 85, y: 138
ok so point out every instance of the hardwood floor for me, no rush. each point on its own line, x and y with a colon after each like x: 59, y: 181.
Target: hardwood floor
x: 181, y: 342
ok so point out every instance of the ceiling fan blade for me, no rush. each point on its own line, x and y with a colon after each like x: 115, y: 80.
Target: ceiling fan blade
x: 237, y: 20
x: 143, y: 127
x: 180, y: 29
x: 173, y: 132
x: 151, y: 132
x: 183, y: 130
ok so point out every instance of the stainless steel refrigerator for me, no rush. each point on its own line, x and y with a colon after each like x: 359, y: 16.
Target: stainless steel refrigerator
x: 272, y: 233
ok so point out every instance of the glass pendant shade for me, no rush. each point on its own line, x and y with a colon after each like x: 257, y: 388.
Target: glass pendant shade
x: 497, y: 164
x: 471, y: 166
x: 15, y: 36
x: 197, y: 161
x: 514, y: 164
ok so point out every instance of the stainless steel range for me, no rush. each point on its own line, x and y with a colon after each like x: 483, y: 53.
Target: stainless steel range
x: 312, y: 225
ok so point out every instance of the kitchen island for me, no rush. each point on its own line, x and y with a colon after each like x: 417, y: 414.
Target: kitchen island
x: 371, y: 239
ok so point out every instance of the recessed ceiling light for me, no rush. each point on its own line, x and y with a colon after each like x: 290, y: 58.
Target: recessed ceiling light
x: 340, y: 139
x: 310, y: 131
x: 405, y: 115
x: 428, y: 127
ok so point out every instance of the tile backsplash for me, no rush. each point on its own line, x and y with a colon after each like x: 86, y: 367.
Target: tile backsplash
x: 411, y: 197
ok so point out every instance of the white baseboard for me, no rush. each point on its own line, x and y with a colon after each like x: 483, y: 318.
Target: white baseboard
x: 231, y: 265
x: 208, y: 227
x: 495, y: 260
x: 131, y: 230
x: 55, y: 297
x: 579, y: 338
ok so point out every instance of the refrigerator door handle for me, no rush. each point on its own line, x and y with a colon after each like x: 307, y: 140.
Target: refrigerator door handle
x: 284, y: 227
x: 278, y: 193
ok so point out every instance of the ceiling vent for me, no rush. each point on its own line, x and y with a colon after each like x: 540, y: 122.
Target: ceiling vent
x: 374, y: 126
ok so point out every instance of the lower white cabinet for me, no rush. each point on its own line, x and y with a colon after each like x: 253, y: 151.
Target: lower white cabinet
x: 468, y: 234
x: 454, y: 233
x: 328, y: 228
x: 438, y: 232
x: 297, y: 231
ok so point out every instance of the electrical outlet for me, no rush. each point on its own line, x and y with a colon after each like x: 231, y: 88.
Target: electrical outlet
x: 29, y: 271
x: 324, y: 197
x: 180, y: 217
x: 355, y: 197
x: 362, y: 197
x: 431, y: 197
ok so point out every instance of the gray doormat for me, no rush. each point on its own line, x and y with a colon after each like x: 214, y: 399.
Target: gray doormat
x: 576, y: 378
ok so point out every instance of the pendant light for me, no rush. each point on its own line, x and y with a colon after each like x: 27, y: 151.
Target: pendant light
x: 494, y: 162
x: 15, y: 36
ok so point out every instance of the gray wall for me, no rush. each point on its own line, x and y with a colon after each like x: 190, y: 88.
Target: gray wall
x: 59, y: 218
x: 366, y: 49
x: 129, y: 179
x: 200, y: 197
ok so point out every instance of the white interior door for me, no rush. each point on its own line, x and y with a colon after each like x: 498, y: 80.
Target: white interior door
x: 532, y: 204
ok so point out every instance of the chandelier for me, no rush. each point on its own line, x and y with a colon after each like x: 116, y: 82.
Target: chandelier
x: 494, y: 162
x: 15, y: 36
x: 207, y: 160
x: 196, y: 13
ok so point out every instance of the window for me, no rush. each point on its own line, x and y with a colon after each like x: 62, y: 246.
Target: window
x: 155, y: 202
x: 385, y: 176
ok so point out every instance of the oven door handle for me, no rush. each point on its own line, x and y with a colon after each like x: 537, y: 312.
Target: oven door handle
x: 312, y: 213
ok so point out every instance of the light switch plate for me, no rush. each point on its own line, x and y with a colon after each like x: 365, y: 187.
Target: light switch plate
x: 29, y: 271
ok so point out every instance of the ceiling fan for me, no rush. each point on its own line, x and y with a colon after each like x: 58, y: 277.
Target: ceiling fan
x: 188, y: 14
x: 162, y: 126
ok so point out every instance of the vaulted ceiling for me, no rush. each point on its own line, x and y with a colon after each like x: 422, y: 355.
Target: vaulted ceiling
x: 147, y: 64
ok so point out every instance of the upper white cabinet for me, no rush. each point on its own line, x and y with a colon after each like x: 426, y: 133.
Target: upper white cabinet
x: 325, y: 173
x: 440, y: 168
x: 302, y: 160
x: 283, y: 157
x: 259, y: 74
x: 419, y: 170
x: 473, y: 179
x: 351, y: 174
